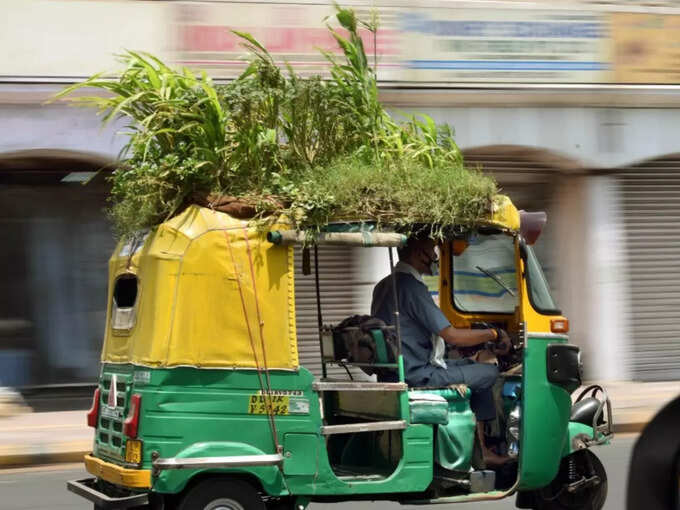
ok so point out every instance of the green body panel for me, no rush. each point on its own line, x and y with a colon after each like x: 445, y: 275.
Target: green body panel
x: 545, y: 418
x: 412, y: 474
x: 301, y: 452
x: 173, y: 481
x: 190, y: 412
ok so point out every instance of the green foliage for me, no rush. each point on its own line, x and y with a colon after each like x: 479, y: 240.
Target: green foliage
x: 319, y: 149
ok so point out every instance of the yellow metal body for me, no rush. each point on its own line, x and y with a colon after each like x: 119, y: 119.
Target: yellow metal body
x: 132, y: 478
x: 211, y: 292
x: 505, y: 216
x: 524, y: 312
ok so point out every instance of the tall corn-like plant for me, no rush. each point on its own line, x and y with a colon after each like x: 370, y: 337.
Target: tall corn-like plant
x: 314, y: 149
x: 177, y: 134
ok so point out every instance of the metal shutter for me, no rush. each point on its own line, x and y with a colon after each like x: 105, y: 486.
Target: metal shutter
x: 650, y: 202
x: 343, y: 293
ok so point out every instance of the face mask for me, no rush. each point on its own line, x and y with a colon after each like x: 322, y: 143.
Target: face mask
x: 433, y: 264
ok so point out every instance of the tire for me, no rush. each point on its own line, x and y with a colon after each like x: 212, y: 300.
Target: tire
x: 145, y: 507
x: 285, y: 503
x: 655, y: 464
x: 222, y: 494
x: 553, y: 497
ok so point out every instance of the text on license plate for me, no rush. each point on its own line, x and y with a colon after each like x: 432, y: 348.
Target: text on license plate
x: 257, y: 404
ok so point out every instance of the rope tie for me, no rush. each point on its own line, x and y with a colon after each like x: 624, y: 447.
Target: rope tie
x: 266, y: 393
x: 262, y: 343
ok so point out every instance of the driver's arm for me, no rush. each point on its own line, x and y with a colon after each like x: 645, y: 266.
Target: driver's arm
x: 421, y: 307
x: 461, y: 337
x: 469, y: 337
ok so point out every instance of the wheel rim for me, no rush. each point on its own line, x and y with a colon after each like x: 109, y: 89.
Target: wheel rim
x: 224, y: 504
x: 591, y: 498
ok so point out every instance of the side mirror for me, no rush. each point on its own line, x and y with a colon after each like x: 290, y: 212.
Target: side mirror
x: 458, y: 246
x: 531, y: 225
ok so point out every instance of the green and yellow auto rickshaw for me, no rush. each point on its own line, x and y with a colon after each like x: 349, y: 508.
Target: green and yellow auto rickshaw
x: 202, y: 402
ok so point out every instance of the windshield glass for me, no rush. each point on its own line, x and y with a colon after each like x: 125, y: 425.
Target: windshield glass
x: 539, y: 291
x: 484, y: 276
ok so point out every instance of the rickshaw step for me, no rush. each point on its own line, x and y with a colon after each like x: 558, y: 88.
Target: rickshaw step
x: 360, y: 473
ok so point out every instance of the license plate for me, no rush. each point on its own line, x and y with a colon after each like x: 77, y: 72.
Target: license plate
x: 258, y: 404
x: 133, y: 451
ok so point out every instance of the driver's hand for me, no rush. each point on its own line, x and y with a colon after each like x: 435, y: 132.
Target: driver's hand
x: 503, y: 344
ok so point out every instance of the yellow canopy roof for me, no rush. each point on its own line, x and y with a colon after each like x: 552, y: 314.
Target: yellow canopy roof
x: 211, y: 292
x: 504, y: 214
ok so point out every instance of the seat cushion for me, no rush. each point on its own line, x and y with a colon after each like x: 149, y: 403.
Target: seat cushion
x: 456, y: 393
x: 428, y: 408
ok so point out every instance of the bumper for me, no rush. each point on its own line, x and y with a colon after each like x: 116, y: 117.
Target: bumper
x: 87, y: 489
x: 117, y: 475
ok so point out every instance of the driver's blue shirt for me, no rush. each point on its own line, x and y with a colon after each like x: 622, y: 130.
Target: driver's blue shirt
x: 419, y: 319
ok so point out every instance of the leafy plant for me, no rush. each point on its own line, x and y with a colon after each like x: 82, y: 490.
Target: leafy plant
x: 313, y: 149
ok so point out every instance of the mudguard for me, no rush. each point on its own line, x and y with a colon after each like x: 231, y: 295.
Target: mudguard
x: 586, y: 409
x: 174, y: 481
x: 579, y: 436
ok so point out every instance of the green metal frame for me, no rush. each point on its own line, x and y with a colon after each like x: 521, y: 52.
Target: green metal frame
x: 545, y: 416
x: 191, y: 412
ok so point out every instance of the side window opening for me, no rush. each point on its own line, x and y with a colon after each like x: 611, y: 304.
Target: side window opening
x: 123, y: 309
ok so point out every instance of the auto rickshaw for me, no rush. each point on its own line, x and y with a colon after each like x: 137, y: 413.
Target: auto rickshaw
x: 202, y: 402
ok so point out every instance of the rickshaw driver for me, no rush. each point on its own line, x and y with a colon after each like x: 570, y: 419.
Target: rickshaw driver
x: 425, y: 328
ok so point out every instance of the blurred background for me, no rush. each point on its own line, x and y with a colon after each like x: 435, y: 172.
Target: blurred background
x: 573, y: 107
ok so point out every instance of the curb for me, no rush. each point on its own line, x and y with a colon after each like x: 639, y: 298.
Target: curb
x: 629, y: 428
x: 38, y: 459
x: 56, y: 453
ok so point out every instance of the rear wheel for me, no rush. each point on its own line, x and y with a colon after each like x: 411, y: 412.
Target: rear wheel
x: 581, y: 467
x: 222, y: 494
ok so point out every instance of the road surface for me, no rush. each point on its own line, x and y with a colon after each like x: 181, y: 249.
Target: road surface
x: 45, y: 487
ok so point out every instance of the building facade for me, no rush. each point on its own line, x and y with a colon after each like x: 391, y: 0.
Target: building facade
x: 552, y: 102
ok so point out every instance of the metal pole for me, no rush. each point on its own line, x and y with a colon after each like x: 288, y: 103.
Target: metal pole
x: 396, y: 300
x: 318, y: 309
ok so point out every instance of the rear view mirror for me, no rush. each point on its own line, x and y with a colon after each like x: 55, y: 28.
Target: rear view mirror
x: 531, y: 225
x: 458, y: 246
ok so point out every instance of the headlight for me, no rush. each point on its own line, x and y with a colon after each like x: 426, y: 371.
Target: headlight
x: 512, y: 430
